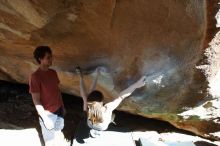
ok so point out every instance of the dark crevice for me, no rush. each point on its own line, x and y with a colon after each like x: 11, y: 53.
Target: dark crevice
x: 113, y: 14
x: 203, y: 143
x: 212, y: 8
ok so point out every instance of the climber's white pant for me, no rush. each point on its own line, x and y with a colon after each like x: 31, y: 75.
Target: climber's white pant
x: 50, y: 135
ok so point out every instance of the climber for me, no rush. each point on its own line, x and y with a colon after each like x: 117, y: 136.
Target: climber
x: 46, y: 96
x: 99, y: 115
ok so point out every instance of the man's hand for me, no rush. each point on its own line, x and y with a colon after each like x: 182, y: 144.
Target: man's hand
x: 49, y: 124
x: 141, y: 82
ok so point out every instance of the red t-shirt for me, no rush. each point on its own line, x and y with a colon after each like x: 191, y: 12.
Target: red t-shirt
x: 46, y: 83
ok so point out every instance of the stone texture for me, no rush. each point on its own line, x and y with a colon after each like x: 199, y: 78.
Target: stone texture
x: 164, y: 40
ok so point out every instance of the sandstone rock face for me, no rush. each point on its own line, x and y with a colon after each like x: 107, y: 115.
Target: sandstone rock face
x: 164, y: 40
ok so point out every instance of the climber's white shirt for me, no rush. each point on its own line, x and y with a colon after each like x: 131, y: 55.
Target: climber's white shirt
x: 107, y: 115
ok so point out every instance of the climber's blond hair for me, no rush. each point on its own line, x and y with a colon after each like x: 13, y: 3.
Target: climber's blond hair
x: 95, y: 112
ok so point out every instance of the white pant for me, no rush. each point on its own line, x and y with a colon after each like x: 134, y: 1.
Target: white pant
x: 49, y: 135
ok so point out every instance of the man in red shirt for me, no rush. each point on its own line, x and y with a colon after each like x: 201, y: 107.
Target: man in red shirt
x: 46, y: 95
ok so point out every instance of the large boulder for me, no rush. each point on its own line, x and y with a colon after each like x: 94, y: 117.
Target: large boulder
x: 164, y: 40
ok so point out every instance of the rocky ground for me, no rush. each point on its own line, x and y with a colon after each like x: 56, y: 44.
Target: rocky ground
x: 17, y: 112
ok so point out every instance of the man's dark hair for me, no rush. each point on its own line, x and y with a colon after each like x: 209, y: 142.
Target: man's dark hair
x: 40, y: 52
x: 95, y: 96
